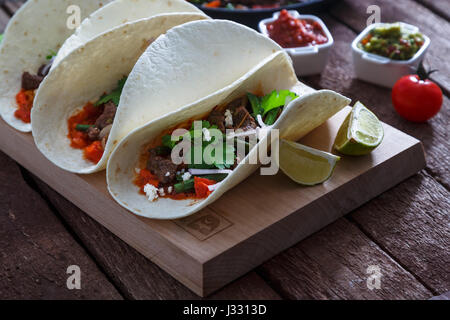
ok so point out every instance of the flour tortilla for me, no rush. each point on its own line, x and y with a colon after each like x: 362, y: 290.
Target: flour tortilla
x: 300, y: 117
x: 117, y: 13
x: 188, y: 63
x: 38, y: 27
x: 83, y: 76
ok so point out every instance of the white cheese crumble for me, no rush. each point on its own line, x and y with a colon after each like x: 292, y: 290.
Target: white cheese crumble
x: 186, y: 176
x: 206, y: 134
x: 169, y: 189
x: 137, y: 170
x: 228, y: 118
x: 151, y: 191
x: 161, y: 192
x: 167, y: 174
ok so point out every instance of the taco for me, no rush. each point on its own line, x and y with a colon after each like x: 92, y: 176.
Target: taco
x: 44, y: 53
x: 77, y: 105
x: 31, y: 39
x: 153, y: 172
x: 79, y: 137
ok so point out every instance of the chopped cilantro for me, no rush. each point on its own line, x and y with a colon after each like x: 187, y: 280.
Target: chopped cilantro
x: 51, y: 55
x: 269, y: 104
x: 114, y: 96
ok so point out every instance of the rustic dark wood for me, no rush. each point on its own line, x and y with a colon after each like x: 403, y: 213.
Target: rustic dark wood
x: 4, y: 18
x: 353, y: 14
x: 134, y: 275
x: 410, y: 222
x: 11, y: 6
x: 440, y: 7
x: 332, y: 264
x: 328, y: 264
x: 37, y: 249
x: 338, y: 76
x: 434, y: 135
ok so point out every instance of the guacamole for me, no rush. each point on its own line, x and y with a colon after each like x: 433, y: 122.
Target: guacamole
x: 392, y: 41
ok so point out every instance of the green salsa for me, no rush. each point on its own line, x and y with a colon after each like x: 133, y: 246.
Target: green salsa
x: 392, y: 41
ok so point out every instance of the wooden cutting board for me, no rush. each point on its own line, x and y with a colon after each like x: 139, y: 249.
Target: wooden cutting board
x: 251, y: 223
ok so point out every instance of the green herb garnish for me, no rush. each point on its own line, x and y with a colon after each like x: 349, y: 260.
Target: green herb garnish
x: 114, y: 96
x: 83, y: 127
x: 269, y: 105
x: 51, y: 55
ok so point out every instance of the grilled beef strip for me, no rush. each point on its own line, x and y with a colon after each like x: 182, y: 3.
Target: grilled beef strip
x: 163, y: 168
x: 217, y: 118
x: 30, y: 81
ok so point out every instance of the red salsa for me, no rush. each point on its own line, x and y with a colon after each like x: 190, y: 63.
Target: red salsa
x: 93, y: 150
x: 290, y: 32
x: 24, y: 100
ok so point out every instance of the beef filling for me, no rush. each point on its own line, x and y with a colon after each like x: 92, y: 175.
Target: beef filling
x: 30, y: 81
x: 107, y: 116
x: 242, y: 119
x: 163, y: 168
x: 217, y: 118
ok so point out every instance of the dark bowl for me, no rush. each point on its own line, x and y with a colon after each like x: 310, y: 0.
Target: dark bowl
x: 252, y: 17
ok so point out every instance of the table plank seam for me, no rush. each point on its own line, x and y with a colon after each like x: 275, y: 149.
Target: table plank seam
x: 30, y: 182
x: 433, y: 292
x: 434, y: 10
x: 7, y: 9
x: 433, y: 175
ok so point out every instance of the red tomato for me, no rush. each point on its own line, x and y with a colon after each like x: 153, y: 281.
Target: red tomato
x: 415, y: 99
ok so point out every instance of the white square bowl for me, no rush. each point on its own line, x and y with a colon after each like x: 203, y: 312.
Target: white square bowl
x: 381, y: 70
x: 306, y: 60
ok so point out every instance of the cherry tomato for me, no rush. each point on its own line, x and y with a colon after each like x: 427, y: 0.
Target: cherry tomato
x: 415, y: 99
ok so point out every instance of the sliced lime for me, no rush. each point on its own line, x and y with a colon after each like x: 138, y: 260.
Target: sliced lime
x: 306, y: 165
x: 360, y: 133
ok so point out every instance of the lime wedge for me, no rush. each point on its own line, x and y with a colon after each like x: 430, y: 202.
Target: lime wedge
x: 360, y: 133
x: 306, y: 165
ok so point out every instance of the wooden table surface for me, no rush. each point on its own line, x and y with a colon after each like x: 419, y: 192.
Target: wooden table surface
x: 405, y: 231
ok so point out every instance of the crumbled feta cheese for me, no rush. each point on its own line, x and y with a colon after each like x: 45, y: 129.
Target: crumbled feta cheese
x: 167, y: 174
x: 169, y: 189
x: 206, y: 134
x: 137, y: 170
x: 228, y: 118
x: 151, y: 191
x: 186, y: 176
x: 161, y: 192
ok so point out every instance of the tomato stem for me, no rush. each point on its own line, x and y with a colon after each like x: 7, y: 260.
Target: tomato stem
x: 423, y: 73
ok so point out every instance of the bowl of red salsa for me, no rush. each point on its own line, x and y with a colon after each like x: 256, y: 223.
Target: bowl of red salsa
x: 304, y: 37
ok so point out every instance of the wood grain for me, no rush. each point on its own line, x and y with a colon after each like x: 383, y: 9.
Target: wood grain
x: 285, y: 215
x: 338, y: 76
x: 134, y: 275
x: 4, y: 18
x: 11, y: 6
x: 37, y: 249
x: 353, y: 14
x: 332, y: 264
x: 411, y: 223
x: 440, y: 7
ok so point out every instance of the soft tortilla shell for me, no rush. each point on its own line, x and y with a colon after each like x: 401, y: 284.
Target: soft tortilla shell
x: 300, y: 117
x: 175, y: 70
x: 84, y: 75
x: 37, y: 27
x: 117, y: 13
